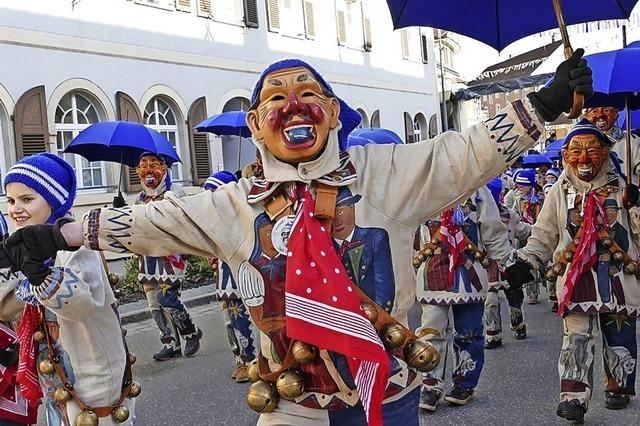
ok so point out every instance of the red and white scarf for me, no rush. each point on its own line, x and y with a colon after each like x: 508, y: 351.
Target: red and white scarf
x: 453, y: 241
x: 324, y: 309
x: 27, y: 376
x: 586, y: 254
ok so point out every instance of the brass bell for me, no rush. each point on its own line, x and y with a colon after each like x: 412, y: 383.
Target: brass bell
x: 416, y: 262
x: 135, y: 390
x: 253, y: 372
x: 618, y: 256
x: 214, y: 266
x: 485, y: 262
x: 436, y: 242
x: 470, y: 247
x: 421, y: 355
x: 39, y: 336
x: 87, y: 418
x: 215, y: 275
x: 568, y: 256
x: 478, y: 254
x: 303, y: 352
x: 607, y: 242
x: 421, y: 257
x: 393, y: 335
x: 290, y: 384
x: 550, y: 275
x: 630, y: 268
x: 558, y: 268
x: 132, y: 359
x: 114, y: 279
x: 61, y: 394
x: 120, y: 414
x: 262, y: 397
x: 428, y: 251
x: 46, y: 367
x: 371, y: 312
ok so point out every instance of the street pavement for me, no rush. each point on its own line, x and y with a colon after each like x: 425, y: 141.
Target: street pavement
x: 519, y: 384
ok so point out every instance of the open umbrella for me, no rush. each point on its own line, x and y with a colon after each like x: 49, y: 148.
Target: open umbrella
x: 376, y: 135
x: 533, y: 161
x: 230, y: 123
x: 499, y: 23
x: 555, y: 145
x: 635, y: 119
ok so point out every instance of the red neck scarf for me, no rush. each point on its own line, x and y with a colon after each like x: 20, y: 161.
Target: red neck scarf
x: 586, y: 254
x: 453, y: 241
x: 27, y: 376
x: 323, y: 308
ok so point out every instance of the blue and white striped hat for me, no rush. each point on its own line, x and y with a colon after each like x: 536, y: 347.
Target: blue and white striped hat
x: 527, y: 177
x: 585, y: 127
x: 50, y: 176
x: 4, y: 228
x: 218, y: 179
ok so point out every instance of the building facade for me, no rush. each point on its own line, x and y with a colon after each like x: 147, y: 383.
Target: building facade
x: 170, y: 63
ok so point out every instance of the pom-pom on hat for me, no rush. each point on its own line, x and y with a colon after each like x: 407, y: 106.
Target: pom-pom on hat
x: 495, y: 186
x: 218, y: 179
x: 348, y: 116
x: 50, y: 176
x: 526, y: 177
x: 585, y: 127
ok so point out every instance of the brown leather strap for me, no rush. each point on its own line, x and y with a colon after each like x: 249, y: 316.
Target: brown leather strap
x: 271, y: 376
x: 278, y: 205
x: 325, y: 204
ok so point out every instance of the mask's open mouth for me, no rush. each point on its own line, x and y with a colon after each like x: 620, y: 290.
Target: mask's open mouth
x: 299, y: 135
x: 584, y: 170
x: 601, y: 124
x: 150, y: 180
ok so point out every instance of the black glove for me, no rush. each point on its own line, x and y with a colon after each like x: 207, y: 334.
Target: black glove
x: 10, y: 355
x: 118, y: 201
x: 630, y: 196
x: 35, y: 270
x: 571, y: 75
x: 40, y: 242
x: 518, y: 274
x: 6, y: 260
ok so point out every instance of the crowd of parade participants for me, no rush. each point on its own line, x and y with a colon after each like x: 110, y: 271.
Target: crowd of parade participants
x: 317, y: 261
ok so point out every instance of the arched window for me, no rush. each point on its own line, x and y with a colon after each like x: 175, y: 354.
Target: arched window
x: 433, y: 126
x: 364, y: 123
x: 160, y: 116
x: 237, y: 151
x: 408, y: 128
x: 74, y: 113
x: 375, y: 119
x: 419, y: 127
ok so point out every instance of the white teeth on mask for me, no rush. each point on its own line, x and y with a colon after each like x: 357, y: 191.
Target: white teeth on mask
x: 299, y: 133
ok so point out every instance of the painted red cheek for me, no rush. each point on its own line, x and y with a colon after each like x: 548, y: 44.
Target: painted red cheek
x: 316, y: 112
x: 274, y: 119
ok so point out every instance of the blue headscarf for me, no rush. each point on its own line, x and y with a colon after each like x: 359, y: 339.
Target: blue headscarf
x: 348, y: 116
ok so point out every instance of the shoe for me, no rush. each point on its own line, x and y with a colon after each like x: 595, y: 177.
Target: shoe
x: 459, y: 395
x: 167, y: 353
x: 429, y: 399
x: 492, y: 344
x: 615, y: 401
x: 520, y: 333
x: 554, y: 307
x: 572, y: 411
x: 192, y: 344
x: 242, y: 374
x: 234, y: 372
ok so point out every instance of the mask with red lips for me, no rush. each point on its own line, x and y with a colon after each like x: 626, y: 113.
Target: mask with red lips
x: 294, y: 115
x: 151, y: 170
x: 602, y: 117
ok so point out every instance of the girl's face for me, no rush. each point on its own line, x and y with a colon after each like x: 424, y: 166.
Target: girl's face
x: 26, y: 206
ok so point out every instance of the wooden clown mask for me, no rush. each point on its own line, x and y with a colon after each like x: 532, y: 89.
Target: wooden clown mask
x: 294, y: 115
x: 585, y: 154
x: 151, y: 170
x: 602, y: 117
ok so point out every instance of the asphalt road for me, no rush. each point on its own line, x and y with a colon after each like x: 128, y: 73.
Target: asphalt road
x: 519, y: 384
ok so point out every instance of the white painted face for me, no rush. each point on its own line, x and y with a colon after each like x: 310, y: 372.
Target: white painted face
x: 26, y: 206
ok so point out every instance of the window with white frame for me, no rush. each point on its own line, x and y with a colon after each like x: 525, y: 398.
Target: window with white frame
x: 159, y: 115
x: 350, y: 17
x: 286, y: 17
x: 229, y: 11
x: 74, y: 113
x: 162, y: 4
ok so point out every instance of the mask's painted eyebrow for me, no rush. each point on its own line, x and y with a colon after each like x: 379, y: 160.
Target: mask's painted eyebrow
x: 274, y: 82
x: 303, y: 77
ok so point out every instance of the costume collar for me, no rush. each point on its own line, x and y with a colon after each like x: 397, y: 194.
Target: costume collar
x: 348, y: 239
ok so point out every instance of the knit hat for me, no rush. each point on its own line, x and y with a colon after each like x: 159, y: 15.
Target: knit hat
x: 526, y: 177
x: 495, y: 186
x: 585, y: 127
x: 349, y: 118
x: 218, y: 179
x: 554, y: 172
x: 50, y: 176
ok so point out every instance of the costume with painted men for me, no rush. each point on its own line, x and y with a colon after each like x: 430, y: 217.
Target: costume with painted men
x: 454, y: 278
x: 300, y: 128
x: 72, y: 359
x: 162, y: 276
x: 517, y: 230
x: 241, y: 332
x: 594, y: 247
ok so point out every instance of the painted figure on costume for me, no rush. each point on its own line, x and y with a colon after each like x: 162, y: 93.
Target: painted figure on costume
x: 595, y: 254
x: 162, y: 276
x: 300, y: 127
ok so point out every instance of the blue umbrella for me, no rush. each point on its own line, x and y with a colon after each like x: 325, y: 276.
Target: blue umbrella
x: 635, y: 120
x: 533, y: 161
x: 121, y: 142
x: 499, y: 23
x: 553, y: 155
x: 615, y: 77
x: 227, y: 123
x: 378, y: 136
x: 555, y: 145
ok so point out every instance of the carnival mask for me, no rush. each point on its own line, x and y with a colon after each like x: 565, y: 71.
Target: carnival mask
x: 294, y: 115
x: 151, y: 170
x: 585, y: 155
x: 603, y: 117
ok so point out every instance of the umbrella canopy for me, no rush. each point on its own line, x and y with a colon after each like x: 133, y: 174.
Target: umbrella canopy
x: 614, y: 76
x: 121, y: 142
x: 635, y: 120
x: 555, y: 145
x: 499, y: 23
x: 533, y: 161
x: 375, y: 135
x: 233, y: 123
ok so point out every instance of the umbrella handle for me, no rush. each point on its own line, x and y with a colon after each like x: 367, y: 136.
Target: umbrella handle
x: 578, y: 99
